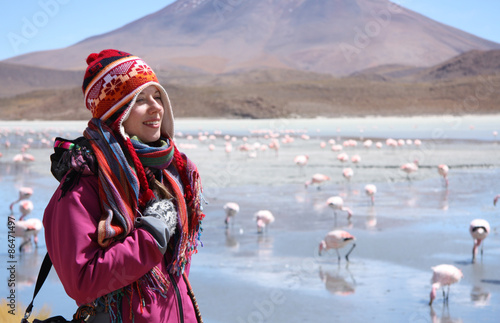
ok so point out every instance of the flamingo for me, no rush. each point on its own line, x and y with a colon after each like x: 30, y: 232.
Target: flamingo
x: 370, y: 190
x: 263, y: 218
x: 347, y: 173
x: 231, y: 209
x: 356, y: 159
x: 409, y: 168
x: 443, y: 171
x: 343, y: 157
x: 337, y: 239
x: 479, y: 230
x: 24, y: 193
x: 337, y: 203
x: 444, y: 275
x: 317, y: 179
x: 301, y: 160
x: 26, y: 229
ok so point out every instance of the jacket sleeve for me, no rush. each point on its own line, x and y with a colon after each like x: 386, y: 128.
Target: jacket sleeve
x: 86, y: 270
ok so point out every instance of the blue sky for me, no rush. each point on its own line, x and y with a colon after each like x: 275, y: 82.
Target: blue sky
x: 28, y: 26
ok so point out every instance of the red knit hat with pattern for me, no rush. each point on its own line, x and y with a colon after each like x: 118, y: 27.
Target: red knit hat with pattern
x: 113, y: 80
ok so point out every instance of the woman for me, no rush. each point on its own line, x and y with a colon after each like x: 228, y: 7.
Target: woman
x: 122, y: 226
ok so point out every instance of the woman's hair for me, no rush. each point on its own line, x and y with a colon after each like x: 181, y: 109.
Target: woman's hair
x: 161, y: 189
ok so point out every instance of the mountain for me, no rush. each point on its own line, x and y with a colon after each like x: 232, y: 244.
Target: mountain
x: 470, y: 64
x: 338, y: 37
x: 279, y: 93
x: 17, y: 79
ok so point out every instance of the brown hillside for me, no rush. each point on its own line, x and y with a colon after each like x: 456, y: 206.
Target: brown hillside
x: 17, y: 79
x: 264, y: 97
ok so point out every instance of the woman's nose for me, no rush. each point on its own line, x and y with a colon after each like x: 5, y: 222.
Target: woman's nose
x: 155, y: 106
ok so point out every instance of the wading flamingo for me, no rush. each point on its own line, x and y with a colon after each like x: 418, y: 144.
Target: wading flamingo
x: 371, y: 190
x: 444, y: 275
x: 317, y: 179
x: 301, y: 161
x: 231, y: 209
x: 26, y: 229
x: 409, y: 168
x: 337, y: 239
x: 343, y: 157
x: 347, y: 173
x: 337, y: 204
x: 263, y: 218
x: 479, y: 230
x: 24, y: 193
x: 443, y: 171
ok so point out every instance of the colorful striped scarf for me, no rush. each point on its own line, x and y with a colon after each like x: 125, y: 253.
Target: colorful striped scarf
x: 123, y: 188
x: 154, y: 157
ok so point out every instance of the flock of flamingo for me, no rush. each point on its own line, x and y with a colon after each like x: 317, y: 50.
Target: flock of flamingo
x: 443, y: 275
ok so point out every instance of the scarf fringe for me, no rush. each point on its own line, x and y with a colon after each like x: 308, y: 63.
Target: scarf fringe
x: 154, y: 284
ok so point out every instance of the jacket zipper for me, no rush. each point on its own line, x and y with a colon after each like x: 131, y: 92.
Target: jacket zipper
x: 178, y: 295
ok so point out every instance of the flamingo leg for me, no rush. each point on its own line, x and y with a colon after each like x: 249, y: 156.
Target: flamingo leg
x: 25, y: 242
x: 338, y: 255
x: 347, y: 255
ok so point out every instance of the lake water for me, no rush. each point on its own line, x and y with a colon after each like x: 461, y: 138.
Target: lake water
x: 277, y: 276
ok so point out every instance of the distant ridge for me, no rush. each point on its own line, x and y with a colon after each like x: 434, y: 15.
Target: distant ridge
x: 470, y: 64
x: 16, y: 79
x: 338, y: 37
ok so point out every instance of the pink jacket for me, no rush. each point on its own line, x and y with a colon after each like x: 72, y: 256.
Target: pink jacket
x: 87, y: 271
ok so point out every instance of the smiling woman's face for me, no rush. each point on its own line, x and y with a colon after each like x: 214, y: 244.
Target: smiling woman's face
x: 146, y: 115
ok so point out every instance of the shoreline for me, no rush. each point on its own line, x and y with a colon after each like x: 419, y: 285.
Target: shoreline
x: 439, y: 127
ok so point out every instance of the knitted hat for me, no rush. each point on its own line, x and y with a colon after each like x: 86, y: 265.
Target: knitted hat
x: 113, y: 80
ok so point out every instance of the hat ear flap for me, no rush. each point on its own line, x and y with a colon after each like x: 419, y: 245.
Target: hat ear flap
x: 167, y: 126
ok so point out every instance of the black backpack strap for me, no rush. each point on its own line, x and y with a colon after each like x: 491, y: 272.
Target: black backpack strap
x: 42, y: 275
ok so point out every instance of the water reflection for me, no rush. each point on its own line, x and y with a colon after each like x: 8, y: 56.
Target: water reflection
x: 445, y: 316
x: 479, y: 296
x: 371, y: 218
x: 444, y: 200
x: 231, y: 239
x: 265, y: 246
x: 336, y: 282
x: 28, y: 267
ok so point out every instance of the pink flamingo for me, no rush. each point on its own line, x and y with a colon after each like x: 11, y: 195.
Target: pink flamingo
x: 444, y: 275
x: 301, y: 160
x: 337, y: 239
x: 347, y: 173
x: 479, y: 230
x: 443, y: 171
x: 317, y: 179
x: 26, y: 229
x: 24, y: 193
x: 355, y: 159
x: 231, y: 209
x: 409, y: 168
x: 275, y: 144
x: 337, y: 204
x: 370, y: 190
x: 263, y: 218
x: 343, y: 157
